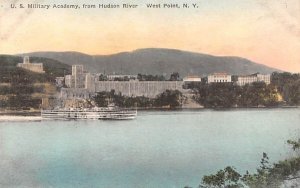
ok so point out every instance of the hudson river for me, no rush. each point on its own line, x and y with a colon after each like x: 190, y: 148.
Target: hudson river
x: 158, y: 149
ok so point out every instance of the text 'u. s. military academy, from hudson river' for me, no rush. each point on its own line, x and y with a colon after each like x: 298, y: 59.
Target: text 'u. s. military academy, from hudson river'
x: 105, y: 6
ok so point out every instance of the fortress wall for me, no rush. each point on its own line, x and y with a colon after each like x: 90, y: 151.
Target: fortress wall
x: 34, y: 67
x: 128, y: 88
x: 138, y: 88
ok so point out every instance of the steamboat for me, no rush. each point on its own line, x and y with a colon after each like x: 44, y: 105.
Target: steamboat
x: 97, y: 113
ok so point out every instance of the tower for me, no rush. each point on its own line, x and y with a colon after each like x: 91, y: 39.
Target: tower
x: 26, y: 60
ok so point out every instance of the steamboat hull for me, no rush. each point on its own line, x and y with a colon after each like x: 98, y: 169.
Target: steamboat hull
x: 86, y: 114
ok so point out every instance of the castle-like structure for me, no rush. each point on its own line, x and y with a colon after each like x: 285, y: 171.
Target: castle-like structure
x: 81, y: 84
x: 34, y: 67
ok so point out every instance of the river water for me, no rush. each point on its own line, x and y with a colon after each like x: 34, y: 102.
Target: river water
x: 158, y: 149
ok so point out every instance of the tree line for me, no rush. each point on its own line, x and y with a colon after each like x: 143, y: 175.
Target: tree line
x: 288, y: 85
x: 144, y: 77
x: 284, y: 89
x: 227, y: 95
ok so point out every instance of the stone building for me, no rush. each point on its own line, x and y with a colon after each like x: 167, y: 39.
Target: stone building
x: 248, y: 79
x: 34, y: 67
x: 218, y: 77
x: 69, y: 81
x: 128, y: 88
x: 77, y: 78
x: 85, y: 85
x: 138, y: 88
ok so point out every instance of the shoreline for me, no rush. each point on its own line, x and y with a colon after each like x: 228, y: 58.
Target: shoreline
x: 36, y: 115
x: 13, y: 118
x: 20, y: 113
x: 38, y: 112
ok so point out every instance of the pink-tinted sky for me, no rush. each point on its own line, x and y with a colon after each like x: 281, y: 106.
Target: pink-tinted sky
x: 267, y: 32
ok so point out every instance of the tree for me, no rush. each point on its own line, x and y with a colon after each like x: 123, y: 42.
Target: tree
x: 227, y: 178
x: 101, y: 99
x: 174, y: 76
x: 266, y: 175
x: 217, y: 95
x: 288, y: 85
x: 149, y: 77
x: 172, y: 98
x: 103, y: 77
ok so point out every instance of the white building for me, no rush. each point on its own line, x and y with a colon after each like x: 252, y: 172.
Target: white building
x: 34, y: 67
x: 192, y: 79
x: 218, y: 77
x: 248, y: 79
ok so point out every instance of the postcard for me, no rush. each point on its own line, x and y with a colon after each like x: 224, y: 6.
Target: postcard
x: 150, y: 93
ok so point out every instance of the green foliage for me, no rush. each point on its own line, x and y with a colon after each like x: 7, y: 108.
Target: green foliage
x: 10, y: 73
x: 168, y: 98
x: 267, y: 175
x: 146, y: 77
x: 295, y: 144
x: 227, y: 178
x: 20, y: 83
x: 288, y: 85
x: 103, y: 77
x: 174, y: 76
x: 215, y: 95
x: 52, y: 67
x: 172, y: 98
x: 258, y: 93
x: 102, y: 98
x: 226, y: 95
x: 17, y: 102
x: 126, y: 78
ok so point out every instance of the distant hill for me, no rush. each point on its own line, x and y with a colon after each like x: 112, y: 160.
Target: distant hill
x: 158, y: 61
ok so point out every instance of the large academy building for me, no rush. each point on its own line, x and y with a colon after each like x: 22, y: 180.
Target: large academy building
x: 81, y: 84
x: 85, y: 85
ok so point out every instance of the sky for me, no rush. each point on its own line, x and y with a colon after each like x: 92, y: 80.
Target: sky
x: 266, y: 32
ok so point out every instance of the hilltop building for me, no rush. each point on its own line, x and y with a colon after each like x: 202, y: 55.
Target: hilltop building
x: 218, y: 77
x: 34, y: 67
x: 248, y: 79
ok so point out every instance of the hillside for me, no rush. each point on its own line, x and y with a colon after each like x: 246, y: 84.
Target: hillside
x: 158, y: 61
x: 22, y: 89
x: 53, y: 68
